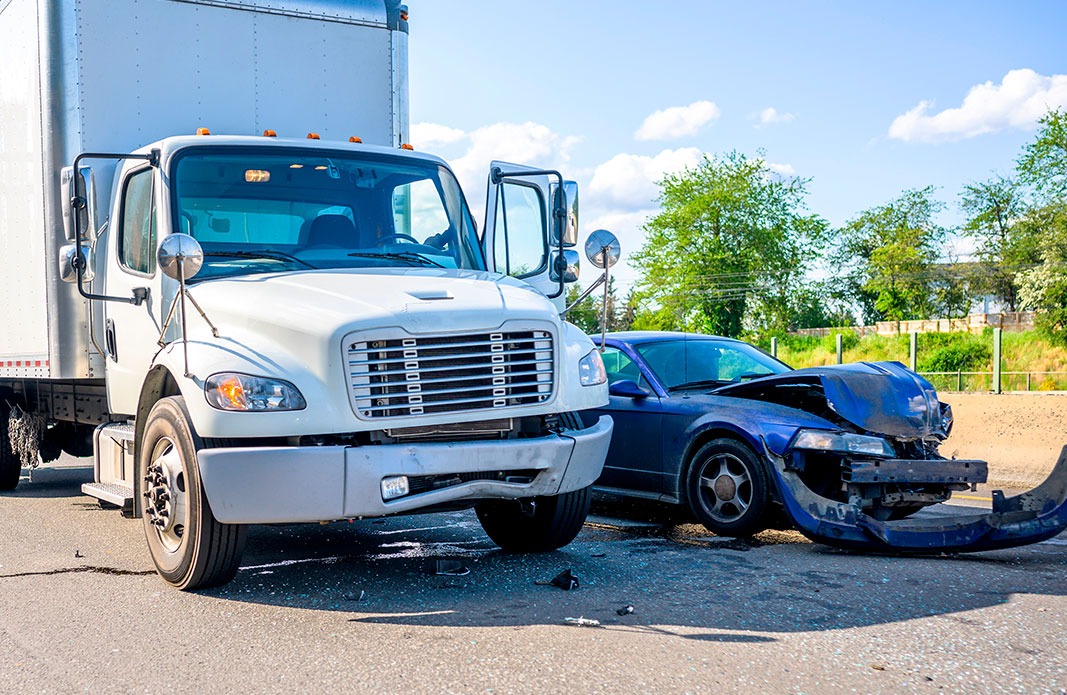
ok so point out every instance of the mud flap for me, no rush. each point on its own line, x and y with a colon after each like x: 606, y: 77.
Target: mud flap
x: 1031, y: 517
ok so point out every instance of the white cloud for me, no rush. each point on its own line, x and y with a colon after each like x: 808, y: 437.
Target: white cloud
x: 1020, y: 99
x: 628, y: 181
x: 520, y: 143
x: 783, y: 169
x: 677, y: 121
x: 771, y: 115
x: 430, y: 135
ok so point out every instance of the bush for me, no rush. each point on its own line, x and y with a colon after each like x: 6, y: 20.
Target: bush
x: 954, y: 352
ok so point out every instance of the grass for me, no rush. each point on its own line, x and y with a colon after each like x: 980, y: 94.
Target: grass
x: 942, y: 352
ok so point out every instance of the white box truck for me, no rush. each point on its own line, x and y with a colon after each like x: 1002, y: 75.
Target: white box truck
x: 353, y: 347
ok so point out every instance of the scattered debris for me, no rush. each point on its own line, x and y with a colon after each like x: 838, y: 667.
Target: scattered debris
x: 628, y: 609
x: 564, y: 580
x: 582, y: 622
x: 878, y: 667
x: 599, y: 555
x: 450, y: 568
x: 356, y: 597
x: 78, y: 553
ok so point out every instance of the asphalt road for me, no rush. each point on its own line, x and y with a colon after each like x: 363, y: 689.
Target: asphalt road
x: 357, y: 608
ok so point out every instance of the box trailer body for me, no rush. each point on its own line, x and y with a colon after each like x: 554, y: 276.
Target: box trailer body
x: 348, y: 348
x: 113, y: 76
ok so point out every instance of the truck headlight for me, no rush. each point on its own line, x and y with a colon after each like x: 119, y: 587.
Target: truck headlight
x: 233, y: 391
x: 591, y: 369
x: 844, y: 442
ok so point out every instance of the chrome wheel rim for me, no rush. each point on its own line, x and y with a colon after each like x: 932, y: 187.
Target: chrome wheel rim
x: 725, y: 487
x: 165, y: 493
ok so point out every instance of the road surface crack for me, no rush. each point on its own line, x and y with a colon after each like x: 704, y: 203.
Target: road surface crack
x: 88, y: 568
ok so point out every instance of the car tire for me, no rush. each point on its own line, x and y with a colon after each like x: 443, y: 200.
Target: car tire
x: 535, y: 524
x: 726, y: 488
x: 189, y: 547
x: 10, y: 464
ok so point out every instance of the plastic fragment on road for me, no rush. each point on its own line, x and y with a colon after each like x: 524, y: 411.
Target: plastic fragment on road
x: 582, y: 622
x: 450, y: 568
x: 564, y: 580
x: 628, y: 609
x: 356, y: 597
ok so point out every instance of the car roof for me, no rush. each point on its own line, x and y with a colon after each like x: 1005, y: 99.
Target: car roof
x: 637, y: 337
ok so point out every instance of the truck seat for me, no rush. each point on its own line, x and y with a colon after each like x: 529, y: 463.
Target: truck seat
x: 332, y: 230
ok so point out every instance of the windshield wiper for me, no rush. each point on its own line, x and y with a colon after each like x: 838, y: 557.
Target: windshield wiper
x: 399, y: 256
x: 264, y: 253
x: 700, y: 384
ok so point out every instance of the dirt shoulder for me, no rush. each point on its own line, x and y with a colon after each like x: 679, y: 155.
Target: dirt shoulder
x: 1020, y: 435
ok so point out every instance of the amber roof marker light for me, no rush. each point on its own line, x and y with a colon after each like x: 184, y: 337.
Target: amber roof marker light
x: 355, y: 139
x: 406, y: 146
x: 313, y: 136
x: 268, y: 133
x: 203, y: 131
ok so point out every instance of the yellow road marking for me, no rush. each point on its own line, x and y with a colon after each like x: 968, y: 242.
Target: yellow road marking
x: 972, y: 497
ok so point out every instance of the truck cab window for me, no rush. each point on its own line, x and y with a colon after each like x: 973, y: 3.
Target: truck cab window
x: 519, y: 246
x: 137, y: 240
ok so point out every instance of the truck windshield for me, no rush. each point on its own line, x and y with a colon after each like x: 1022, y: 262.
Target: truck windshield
x: 262, y: 211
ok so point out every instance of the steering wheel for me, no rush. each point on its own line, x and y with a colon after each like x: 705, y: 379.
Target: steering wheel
x: 389, y: 237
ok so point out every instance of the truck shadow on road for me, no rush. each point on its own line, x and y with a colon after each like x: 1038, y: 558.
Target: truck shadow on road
x: 678, y: 579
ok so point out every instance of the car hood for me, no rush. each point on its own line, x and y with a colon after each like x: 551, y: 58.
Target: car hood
x: 879, y: 397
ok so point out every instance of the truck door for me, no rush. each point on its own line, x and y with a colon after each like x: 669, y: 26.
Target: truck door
x: 517, y: 225
x: 130, y: 331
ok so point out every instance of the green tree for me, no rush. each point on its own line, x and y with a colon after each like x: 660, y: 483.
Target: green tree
x: 887, y: 255
x: 729, y: 231
x: 1004, y: 244
x: 1043, y: 164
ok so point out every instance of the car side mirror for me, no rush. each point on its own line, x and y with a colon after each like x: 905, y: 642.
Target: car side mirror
x: 627, y: 388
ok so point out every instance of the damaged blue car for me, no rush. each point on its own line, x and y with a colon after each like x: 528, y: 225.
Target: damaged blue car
x: 850, y: 452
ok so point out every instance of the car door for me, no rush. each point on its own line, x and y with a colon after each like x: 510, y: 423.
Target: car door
x: 131, y: 331
x: 635, y: 457
x: 517, y: 217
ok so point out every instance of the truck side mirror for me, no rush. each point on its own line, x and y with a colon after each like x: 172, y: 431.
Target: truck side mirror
x: 68, y: 265
x: 565, y: 263
x: 567, y: 226
x: 180, y: 257
x: 81, y: 191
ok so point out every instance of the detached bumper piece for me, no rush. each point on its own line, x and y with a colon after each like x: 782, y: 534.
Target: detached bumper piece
x: 1028, y: 518
x: 907, y: 471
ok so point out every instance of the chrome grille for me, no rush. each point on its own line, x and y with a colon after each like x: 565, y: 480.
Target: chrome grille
x: 401, y: 377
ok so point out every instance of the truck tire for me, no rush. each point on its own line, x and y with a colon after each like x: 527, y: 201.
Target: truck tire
x: 190, y: 549
x: 10, y: 464
x: 535, y: 524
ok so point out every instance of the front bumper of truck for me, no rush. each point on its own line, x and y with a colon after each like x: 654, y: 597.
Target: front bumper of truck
x: 256, y: 485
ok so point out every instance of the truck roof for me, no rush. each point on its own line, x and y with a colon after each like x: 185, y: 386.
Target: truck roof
x: 168, y: 146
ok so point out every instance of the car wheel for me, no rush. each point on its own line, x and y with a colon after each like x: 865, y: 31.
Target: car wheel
x: 535, y: 524
x: 190, y: 549
x: 727, y: 489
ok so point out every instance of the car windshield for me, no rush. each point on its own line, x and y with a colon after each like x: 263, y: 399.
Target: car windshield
x: 706, y: 362
x: 262, y: 210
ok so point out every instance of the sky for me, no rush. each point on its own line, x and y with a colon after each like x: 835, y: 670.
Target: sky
x: 865, y: 99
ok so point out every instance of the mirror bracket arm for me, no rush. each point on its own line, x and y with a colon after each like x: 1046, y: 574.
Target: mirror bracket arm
x: 78, y: 202
x: 559, y: 207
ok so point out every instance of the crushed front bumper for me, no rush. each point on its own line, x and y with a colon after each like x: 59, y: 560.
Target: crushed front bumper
x: 1031, y: 517
x: 255, y: 485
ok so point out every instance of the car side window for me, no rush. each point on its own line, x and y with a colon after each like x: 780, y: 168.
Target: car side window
x: 620, y: 367
x: 734, y: 364
x: 519, y: 243
x: 137, y: 239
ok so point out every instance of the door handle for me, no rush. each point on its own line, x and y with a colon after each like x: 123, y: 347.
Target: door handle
x: 109, y: 340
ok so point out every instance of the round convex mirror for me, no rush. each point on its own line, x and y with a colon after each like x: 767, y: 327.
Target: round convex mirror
x: 183, y: 249
x: 602, y: 249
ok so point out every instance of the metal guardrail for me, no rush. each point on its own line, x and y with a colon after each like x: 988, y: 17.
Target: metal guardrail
x: 1010, y: 381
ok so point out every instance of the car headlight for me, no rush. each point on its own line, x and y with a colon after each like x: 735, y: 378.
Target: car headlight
x: 591, y: 369
x: 844, y: 442
x: 946, y: 418
x: 233, y: 391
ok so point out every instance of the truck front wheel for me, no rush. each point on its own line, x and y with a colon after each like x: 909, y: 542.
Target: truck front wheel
x: 535, y: 524
x: 190, y: 549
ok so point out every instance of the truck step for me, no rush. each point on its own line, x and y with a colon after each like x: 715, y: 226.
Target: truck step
x: 119, y: 431
x: 113, y: 493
